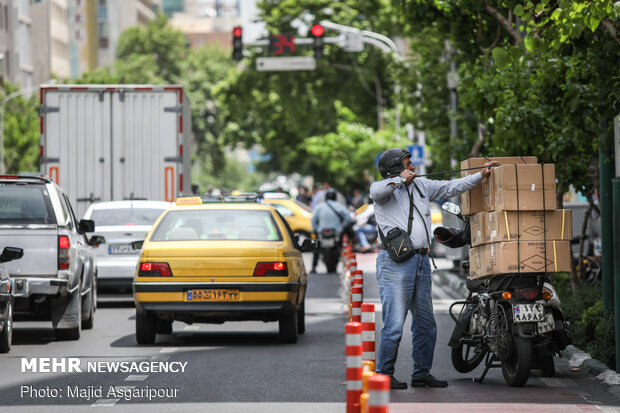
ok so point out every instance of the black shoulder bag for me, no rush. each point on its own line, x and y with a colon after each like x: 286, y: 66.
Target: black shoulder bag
x: 397, y: 242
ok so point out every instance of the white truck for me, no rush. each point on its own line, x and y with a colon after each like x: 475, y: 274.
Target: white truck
x: 115, y: 142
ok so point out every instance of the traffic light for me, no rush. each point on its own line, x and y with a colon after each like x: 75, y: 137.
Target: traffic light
x: 317, y: 32
x: 237, y: 53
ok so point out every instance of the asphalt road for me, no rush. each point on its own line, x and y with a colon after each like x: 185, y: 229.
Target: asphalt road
x: 242, y: 367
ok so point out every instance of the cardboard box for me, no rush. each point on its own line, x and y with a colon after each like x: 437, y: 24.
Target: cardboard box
x: 489, y: 260
x: 471, y: 201
x: 520, y: 188
x: 496, y: 226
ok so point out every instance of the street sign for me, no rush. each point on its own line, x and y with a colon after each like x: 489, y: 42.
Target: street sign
x: 353, y: 42
x: 417, y: 154
x: 273, y: 64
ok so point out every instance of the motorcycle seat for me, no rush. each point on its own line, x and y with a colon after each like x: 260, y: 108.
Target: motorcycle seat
x: 474, y: 285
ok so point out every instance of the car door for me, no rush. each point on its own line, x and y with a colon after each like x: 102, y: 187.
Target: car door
x: 294, y: 258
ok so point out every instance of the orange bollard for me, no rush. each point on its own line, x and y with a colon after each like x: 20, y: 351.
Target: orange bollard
x: 357, y: 296
x: 368, y: 331
x: 353, y: 351
x: 364, y: 397
x: 378, y: 393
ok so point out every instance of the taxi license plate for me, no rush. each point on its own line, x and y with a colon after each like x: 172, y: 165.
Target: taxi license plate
x: 527, y: 313
x: 115, y: 249
x: 212, y: 295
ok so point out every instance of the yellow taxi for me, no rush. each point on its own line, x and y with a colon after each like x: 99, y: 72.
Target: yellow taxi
x: 297, y: 214
x: 216, y: 262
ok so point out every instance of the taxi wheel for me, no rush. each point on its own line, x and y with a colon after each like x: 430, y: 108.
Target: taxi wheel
x: 288, y: 327
x: 301, y: 318
x: 145, y: 328
x: 164, y: 326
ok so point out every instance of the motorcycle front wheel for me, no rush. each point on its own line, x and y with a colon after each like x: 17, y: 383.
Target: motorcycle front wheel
x: 516, y: 369
x: 465, y: 358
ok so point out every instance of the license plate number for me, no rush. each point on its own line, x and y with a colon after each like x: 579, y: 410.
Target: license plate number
x: 548, y: 324
x: 527, y: 313
x: 328, y: 243
x: 121, y: 249
x: 212, y: 295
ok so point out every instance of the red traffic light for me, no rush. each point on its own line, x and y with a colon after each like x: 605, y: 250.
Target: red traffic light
x: 237, y: 31
x: 317, y: 30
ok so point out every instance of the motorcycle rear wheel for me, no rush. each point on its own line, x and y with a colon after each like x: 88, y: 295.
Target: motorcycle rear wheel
x: 516, y: 370
x: 463, y: 360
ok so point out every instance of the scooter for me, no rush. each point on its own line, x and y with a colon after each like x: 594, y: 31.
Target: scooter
x: 511, y: 321
x: 330, y: 245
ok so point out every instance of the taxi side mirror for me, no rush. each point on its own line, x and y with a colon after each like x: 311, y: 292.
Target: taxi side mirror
x: 309, y: 244
x: 137, y: 245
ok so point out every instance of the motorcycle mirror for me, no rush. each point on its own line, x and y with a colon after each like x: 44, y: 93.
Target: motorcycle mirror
x: 451, y: 207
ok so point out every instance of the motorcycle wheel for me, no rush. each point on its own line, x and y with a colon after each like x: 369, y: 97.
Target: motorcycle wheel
x: 331, y: 258
x: 463, y: 360
x: 516, y: 369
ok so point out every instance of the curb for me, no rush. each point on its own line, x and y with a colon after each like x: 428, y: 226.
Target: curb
x: 575, y: 356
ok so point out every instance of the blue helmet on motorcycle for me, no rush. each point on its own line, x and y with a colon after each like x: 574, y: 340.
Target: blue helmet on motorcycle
x: 391, y: 162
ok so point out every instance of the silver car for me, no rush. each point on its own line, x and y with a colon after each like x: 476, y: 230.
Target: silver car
x: 120, y: 223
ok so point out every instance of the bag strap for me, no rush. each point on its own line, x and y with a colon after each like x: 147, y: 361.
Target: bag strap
x: 410, y: 219
x: 336, y: 212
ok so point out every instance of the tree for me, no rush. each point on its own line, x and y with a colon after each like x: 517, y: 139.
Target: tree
x: 21, y: 132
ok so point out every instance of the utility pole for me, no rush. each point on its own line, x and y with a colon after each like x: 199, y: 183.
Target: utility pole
x: 616, y: 238
x: 453, y: 84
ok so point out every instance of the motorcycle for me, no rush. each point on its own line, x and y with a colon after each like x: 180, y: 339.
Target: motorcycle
x: 511, y: 321
x: 330, y: 245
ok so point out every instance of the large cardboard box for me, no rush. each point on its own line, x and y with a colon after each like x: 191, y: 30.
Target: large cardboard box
x: 496, y: 226
x: 489, y: 260
x: 471, y: 201
x: 520, y: 188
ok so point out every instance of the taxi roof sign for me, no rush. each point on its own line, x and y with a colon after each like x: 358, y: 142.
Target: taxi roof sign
x: 189, y: 200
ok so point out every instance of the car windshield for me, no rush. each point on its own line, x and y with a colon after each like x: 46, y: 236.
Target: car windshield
x: 25, y: 204
x: 217, y: 224
x: 125, y: 216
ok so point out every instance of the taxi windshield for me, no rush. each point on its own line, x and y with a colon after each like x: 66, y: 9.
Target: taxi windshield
x: 217, y: 224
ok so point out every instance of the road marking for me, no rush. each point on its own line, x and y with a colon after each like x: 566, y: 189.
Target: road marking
x: 136, y: 377
x: 160, y: 358
x: 104, y: 402
x: 169, y: 349
x: 552, y: 382
x: 191, y: 328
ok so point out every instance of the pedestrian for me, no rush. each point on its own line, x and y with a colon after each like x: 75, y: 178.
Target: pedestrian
x: 403, y: 215
x: 302, y: 195
x: 330, y: 214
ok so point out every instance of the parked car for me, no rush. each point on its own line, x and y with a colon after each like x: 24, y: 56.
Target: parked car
x: 120, y: 223
x: 217, y: 262
x: 297, y: 214
x: 6, y: 300
x: 57, y: 278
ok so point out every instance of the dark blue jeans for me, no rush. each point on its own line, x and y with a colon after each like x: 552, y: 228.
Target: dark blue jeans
x: 406, y: 287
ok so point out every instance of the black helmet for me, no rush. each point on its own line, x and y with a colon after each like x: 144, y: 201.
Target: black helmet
x: 330, y: 194
x: 391, y: 162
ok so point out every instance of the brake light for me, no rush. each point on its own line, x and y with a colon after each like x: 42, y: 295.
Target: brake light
x: 154, y: 269
x: 63, y: 252
x: 9, y: 177
x: 528, y: 294
x: 271, y: 269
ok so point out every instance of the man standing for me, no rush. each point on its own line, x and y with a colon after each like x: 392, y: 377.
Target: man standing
x: 406, y: 286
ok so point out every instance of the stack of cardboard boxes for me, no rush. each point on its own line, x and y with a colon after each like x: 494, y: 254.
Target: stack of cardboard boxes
x: 515, y: 226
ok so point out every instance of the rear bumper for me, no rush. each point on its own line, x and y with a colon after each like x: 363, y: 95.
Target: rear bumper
x: 258, y: 301
x: 25, y: 287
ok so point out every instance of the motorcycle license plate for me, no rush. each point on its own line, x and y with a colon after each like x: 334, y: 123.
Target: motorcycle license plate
x: 527, y: 313
x: 328, y: 243
x: 548, y: 324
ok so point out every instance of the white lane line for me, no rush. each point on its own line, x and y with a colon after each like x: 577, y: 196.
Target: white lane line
x: 104, y: 402
x: 136, y: 377
x: 160, y: 358
x: 169, y: 349
x: 191, y: 328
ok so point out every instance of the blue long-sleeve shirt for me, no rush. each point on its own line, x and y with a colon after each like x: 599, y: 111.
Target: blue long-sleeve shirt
x: 324, y: 217
x: 392, y: 203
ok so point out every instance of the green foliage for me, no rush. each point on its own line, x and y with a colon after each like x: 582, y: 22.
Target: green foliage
x: 21, y: 131
x: 594, y: 332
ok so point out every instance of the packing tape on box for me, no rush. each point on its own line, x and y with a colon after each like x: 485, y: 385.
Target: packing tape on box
x: 555, y: 257
x: 563, y: 214
x: 507, y: 229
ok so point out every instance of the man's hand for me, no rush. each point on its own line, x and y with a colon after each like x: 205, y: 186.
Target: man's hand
x: 487, y: 171
x: 409, y: 175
